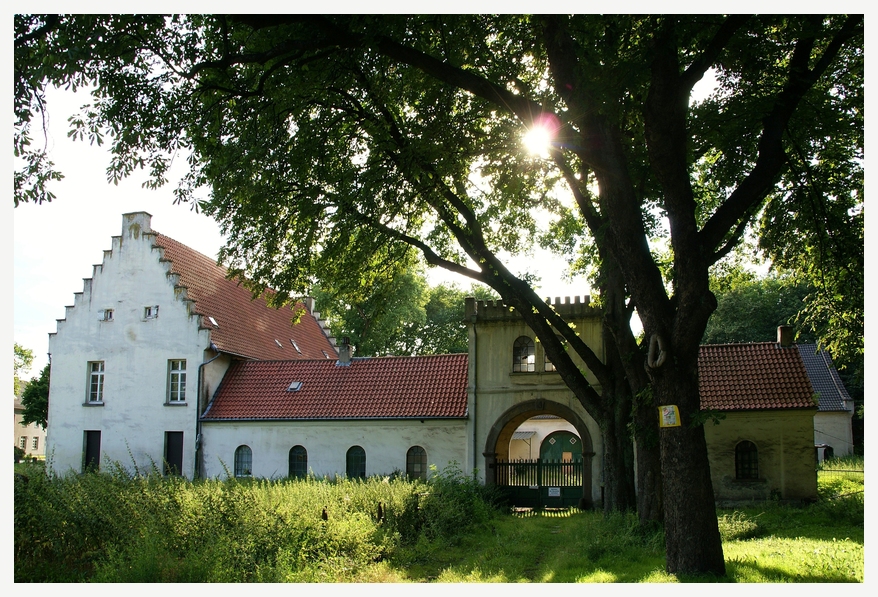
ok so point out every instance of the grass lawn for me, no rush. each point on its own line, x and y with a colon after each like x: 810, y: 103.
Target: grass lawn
x: 112, y: 527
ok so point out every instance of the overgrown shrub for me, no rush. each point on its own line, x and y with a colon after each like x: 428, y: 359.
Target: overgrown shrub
x: 739, y: 525
x: 448, y: 504
x: 118, y: 526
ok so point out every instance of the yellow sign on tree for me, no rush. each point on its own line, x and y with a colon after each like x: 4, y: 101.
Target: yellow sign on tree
x: 669, y: 416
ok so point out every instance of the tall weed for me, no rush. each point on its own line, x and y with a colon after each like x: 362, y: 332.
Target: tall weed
x: 118, y: 526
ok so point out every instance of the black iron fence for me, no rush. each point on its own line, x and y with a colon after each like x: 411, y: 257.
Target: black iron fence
x: 847, y: 474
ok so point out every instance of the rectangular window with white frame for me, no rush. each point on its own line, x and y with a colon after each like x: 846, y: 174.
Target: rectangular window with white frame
x: 35, y: 445
x: 105, y: 315
x: 151, y: 312
x: 177, y: 381
x: 96, y: 382
x: 22, y: 442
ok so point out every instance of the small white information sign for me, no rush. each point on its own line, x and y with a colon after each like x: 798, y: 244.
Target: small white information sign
x: 554, y: 492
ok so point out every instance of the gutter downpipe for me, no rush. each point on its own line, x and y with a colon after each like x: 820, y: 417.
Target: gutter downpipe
x: 474, y: 318
x: 198, y: 453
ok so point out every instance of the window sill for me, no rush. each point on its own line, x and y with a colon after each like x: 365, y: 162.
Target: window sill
x: 536, y: 377
x: 101, y: 403
x: 177, y: 403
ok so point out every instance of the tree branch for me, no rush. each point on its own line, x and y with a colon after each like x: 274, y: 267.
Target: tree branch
x: 770, y: 161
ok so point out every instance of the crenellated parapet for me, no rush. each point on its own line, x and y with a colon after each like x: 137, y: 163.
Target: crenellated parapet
x: 482, y: 311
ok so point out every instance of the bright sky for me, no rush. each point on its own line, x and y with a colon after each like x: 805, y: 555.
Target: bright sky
x: 56, y: 244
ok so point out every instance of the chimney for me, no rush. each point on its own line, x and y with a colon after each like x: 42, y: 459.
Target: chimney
x: 785, y: 335
x: 344, y: 353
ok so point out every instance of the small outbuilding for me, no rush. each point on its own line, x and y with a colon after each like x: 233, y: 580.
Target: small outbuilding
x: 761, y: 443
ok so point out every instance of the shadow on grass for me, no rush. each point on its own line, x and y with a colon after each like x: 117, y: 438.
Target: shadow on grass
x: 558, y: 546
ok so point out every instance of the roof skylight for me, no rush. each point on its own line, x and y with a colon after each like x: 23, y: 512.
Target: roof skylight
x: 295, y: 386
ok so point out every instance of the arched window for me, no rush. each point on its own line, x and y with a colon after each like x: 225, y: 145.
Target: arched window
x: 356, y: 463
x: 746, y: 461
x: 243, y: 461
x: 298, y: 462
x: 523, y: 354
x: 416, y: 463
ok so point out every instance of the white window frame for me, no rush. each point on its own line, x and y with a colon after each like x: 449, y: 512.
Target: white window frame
x: 95, y: 389
x: 22, y: 442
x: 151, y: 312
x: 35, y: 443
x: 105, y: 315
x: 176, y: 381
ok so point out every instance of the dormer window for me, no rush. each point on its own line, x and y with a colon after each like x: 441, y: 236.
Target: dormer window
x: 105, y: 315
x: 151, y: 312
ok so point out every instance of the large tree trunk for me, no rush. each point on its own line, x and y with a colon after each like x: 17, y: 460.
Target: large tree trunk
x: 618, y: 489
x: 692, y: 540
x: 625, y: 360
x: 649, y: 465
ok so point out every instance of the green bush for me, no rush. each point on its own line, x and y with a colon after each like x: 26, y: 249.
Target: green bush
x: 118, y: 526
x: 447, y: 505
x: 739, y: 525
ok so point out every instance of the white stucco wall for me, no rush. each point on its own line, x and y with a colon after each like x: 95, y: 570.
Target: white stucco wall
x: 135, y: 352
x: 327, y: 442
x: 834, y: 429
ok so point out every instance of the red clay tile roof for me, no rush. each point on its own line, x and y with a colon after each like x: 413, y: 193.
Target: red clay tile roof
x: 243, y: 327
x: 757, y: 376
x: 369, y: 388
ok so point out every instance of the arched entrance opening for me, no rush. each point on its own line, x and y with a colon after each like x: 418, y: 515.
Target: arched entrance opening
x: 549, y: 479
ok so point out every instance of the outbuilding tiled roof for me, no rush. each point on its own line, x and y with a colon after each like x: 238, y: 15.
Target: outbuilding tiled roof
x: 368, y: 388
x: 757, y: 376
x: 240, y: 325
x: 824, y: 378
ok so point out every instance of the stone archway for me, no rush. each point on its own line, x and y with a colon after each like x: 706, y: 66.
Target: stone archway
x: 497, y: 441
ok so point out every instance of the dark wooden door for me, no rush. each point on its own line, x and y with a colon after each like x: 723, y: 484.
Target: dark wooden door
x: 173, y: 452
x: 92, y: 451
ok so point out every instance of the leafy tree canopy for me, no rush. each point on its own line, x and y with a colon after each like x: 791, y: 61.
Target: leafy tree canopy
x: 35, y: 400
x: 22, y: 360
x: 750, y: 309
x: 402, y: 315
x: 327, y: 140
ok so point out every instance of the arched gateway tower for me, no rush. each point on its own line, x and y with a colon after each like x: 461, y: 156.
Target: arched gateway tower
x: 529, y: 433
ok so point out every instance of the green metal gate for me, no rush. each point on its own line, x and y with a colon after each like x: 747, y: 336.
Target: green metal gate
x: 540, y: 483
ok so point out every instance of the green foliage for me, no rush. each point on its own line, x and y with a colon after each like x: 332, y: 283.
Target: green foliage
x: 115, y: 526
x: 22, y: 359
x: 399, y: 314
x: 739, y: 526
x: 118, y: 527
x: 35, y: 400
x: 449, y: 502
x: 750, y: 309
x: 19, y: 454
x: 330, y: 143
